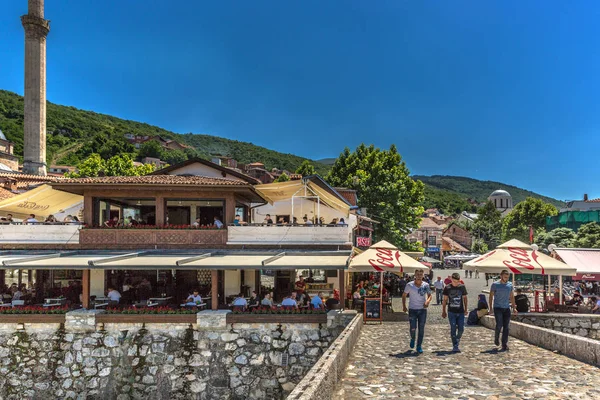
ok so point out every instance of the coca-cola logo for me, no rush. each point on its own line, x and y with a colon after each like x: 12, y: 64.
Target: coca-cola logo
x: 384, y: 258
x: 520, y: 258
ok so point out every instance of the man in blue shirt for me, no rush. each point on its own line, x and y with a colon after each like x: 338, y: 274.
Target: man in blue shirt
x: 502, y: 299
x: 317, y: 301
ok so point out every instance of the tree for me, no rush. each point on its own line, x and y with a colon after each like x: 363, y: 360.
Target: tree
x: 384, y: 187
x: 561, y: 237
x: 588, y: 236
x: 306, y: 169
x: 479, y: 246
x: 488, y: 225
x: 123, y: 165
x: 530, y: 212
x: 282, y: 178
x: 174, y: 157
x: 151, y: 148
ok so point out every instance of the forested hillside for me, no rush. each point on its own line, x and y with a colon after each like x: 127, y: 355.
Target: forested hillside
x: 73, y: 134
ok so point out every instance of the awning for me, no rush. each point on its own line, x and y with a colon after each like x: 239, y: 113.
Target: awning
x: 281, y: 191
x: 385, y: 257
x: 42, y: 201
x: 586, y: 261
x: 202, y: 259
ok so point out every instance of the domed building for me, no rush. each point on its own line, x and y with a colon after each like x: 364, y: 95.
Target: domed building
x: 502, y: 201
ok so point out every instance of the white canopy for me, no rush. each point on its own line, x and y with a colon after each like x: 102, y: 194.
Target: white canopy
x: 519, y: 258
x: 385, y: 257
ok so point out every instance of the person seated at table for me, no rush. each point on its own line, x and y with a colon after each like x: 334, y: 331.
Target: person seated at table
x: 268, y: 220
x: 9, y: 219
x: 290, y: 302
x: 341, y: 222
x: 577, y: 299
x: 254, y: 301
x: 68, y: 218
x: 50, y: 219
x: 217, y: 222
x: 18, y: 294
x: 240, y: 302
x: 294, y: 221
x: 237, y: 221
x: 113, y: 295
x: 317, y: 301
x: 356, y: 294
x: 307, y: 221
x: 129, y: 221
x: 196, y: 223
x: 75, y: 220
x: 194, y: 299
x: 362, y: 291
x: 281, y: 221
x: 267, y: 301
x: 31, y: 219
x: 112, y: 223
x: 522, y: 301
x: 321, y: 221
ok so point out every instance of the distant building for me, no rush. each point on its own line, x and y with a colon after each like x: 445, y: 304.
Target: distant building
x: 157, y: 162
x: 502, y: 201
x: 8, y: 161
x: 429, y: 234
x: 225, y: 161
x: 575, y: 214
x: 458, y: 235
x: 169, y: 144
x: 60, y: 170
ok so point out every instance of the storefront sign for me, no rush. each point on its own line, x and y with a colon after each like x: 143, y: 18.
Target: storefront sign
x: 587, y: 277
x: 433, y: 249
x: 363, y: 241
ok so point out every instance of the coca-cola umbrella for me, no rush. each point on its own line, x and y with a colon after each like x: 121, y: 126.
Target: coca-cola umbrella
x: 520, y: 258
x: 385, y: 257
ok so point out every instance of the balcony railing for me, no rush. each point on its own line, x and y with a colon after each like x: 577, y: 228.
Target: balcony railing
x: 132, y: 238
x: 39, y: 234
x: 290, y: 234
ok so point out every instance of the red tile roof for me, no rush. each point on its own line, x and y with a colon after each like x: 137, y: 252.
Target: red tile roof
x: 429, y: 223
x: 593, y: 201
x: 36, y: 178
x: 451, y: 245
x: 349, y: 195
x: 154, y: 180
x: 6, y: 194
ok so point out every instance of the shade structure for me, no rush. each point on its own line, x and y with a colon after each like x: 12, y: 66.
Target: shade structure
x: 586, y: 261
x: 42, y: 201
x: 385, y: 257
x: 430, y: 260
x: 519, y: 258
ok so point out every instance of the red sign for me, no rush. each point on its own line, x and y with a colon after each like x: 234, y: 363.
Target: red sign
x: 363, y: 241
x: 587, y: 277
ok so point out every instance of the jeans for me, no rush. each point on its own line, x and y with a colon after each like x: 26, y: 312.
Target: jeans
x: 417, y: 318
x: 439, y: 295
x: 457, y: 326
x: 502, y: 316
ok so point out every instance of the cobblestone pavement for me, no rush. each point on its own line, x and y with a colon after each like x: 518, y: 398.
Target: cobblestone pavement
x: 383, y: 367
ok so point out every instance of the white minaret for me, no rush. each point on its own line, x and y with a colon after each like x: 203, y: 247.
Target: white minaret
x: 34, y: 141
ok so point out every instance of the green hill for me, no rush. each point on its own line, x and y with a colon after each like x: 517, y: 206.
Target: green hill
x: 453, y: 189
x: 73, y: 134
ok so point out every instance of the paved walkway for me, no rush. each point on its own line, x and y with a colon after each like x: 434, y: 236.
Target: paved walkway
x: 382, y: 366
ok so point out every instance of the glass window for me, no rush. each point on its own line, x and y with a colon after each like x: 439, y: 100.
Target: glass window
x: 432, y: 241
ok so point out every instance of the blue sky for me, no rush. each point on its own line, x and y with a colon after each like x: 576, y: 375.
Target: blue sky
x: 499, y: 90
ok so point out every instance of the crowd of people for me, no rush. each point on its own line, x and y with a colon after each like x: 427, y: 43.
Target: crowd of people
x: 49, y: 220
x: 281, y: 221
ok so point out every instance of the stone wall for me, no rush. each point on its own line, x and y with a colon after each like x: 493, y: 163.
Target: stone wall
x: 584, y: 325
x: 206, y: 360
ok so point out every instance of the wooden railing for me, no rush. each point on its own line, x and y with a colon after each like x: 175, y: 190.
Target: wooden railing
x: 146, y: 238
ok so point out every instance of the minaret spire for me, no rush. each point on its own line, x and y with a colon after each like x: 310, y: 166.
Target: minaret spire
x: 34, y: 146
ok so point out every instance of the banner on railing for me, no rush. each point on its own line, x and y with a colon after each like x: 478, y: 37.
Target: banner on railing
x: 362, y: 241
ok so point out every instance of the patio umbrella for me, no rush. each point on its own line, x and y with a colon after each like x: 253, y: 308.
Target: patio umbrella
x: 520, y: 258
x: 385, y: 257
x: 430, y: 260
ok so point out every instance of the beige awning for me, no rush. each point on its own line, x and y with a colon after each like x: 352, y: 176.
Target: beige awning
x: 586, y: 261
x: 281, y: 191
x: 519, y: 258
x: 385, y: 257
x: 42, y: 201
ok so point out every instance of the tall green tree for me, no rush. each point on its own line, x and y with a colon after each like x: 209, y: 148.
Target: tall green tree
x: 588, y: 236
x: 561, y: 237
x: 479, y: 246
x: 151, y: 148
x: 123, y: 165
x: 488, y: 225
x: 384, y: 187
x: 530, y: 212
x: 282, y: 178
x: 306, y: 169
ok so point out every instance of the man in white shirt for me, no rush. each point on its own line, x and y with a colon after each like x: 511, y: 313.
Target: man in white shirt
x: 420, y: 297
x: 196, y: 223
x: 113, y: 295
x: 194, y: 299
x: 218, y: 223
x: 439, y: 290
x: 31, y: 219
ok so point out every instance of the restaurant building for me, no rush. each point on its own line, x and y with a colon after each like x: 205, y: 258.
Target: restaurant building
x: 175, y: 230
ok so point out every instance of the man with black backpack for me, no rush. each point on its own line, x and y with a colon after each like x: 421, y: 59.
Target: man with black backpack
x: 455, y: 297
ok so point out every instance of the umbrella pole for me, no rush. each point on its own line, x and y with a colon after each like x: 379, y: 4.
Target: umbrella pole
x: 560, y: 285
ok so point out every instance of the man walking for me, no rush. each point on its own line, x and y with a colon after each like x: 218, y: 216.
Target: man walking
x: 502, y: 299
x: 439, y: 289
x: 455, y: 297
x: 420, y: 297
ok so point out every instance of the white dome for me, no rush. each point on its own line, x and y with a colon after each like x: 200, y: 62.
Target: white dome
x: 2, y: 135
x: 500, y: 193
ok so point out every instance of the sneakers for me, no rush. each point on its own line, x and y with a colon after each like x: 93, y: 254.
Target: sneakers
x: 419, y: 350
x: 412, y: 343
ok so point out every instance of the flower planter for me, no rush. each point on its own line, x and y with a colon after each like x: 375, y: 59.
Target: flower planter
x: 32, y: 318
x: 277, y: 318
x: 147, y: 318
